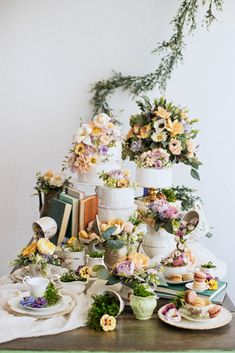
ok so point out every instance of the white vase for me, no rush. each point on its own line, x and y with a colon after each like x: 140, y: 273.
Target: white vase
x: 158, y: 245
x: 154, y: 178
x: 74, y: 259
x: 93, y: 261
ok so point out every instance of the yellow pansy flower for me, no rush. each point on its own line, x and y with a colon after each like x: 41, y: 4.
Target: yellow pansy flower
x: 213, y: 284
x: 30, y: 249
x: 79, y: 148
x: 85, y: 272
x: 174, y: 127
x: 108, y: 323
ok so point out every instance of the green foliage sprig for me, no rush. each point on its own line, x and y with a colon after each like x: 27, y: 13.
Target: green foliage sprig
x: 171, y: 52
x: 70, y: 276
x: 103, y: 304
x: 140, y: 290
x: 181, y: 193
x: 96, y: 254
x: 52, y: 294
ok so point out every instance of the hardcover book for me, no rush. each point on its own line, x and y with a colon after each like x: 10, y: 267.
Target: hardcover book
x: 60, y: 211
x: 88, y: 211
x: 80, y: 195
x: 72, y: 229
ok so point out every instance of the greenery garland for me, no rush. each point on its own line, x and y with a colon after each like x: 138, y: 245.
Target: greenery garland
x: 172, y: 54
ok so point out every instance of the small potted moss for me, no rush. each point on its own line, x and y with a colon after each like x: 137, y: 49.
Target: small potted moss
x: 143, y: 302
x: 74, y: 253
x: 95, y: 258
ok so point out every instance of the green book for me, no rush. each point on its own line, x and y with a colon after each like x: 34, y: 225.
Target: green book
x: 174, y: 288
x: 60, y: 211
x: 72, y: 229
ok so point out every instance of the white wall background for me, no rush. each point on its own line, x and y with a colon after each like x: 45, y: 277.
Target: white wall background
x: 52, y: 50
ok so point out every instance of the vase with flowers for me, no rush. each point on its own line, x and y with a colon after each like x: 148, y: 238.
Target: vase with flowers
x: 160, y: 136
x: 50, y: 185
x: 163, y: 220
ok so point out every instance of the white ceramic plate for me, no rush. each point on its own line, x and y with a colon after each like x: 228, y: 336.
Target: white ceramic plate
x: 190, y: 286
x: 45, y: 309
x: 16, y: 307
x: 221, y: 320
x: 185, y: 315
x: 175, y: 282
x: 20, y: 273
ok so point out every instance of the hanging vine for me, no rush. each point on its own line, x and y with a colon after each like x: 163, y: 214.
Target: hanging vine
x: 171, y: 52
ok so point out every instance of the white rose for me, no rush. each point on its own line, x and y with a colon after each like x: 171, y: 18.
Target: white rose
x: 101, y: 120
x: 128, y: 227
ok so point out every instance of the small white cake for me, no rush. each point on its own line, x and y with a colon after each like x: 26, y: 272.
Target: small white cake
x: 115, y: 197
x: 107, y: 214
x: 154, y: 178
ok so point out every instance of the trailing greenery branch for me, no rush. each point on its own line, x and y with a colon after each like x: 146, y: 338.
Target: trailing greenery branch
x: 171, y: 51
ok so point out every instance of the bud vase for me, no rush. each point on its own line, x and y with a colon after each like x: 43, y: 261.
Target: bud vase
x: 158, y: 244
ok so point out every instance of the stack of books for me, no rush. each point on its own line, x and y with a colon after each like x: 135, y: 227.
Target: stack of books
x: 72, y: 212
x: 170, y: 291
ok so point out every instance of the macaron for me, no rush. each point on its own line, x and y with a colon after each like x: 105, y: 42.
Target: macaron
x: 214, y: 311
x: 199, y: 276
x: 190, y: 296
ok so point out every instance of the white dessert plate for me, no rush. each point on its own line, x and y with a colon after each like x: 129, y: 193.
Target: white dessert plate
x: 190, y: 286
x: 175, y: 282
x: 45, y: 309
x: 65, y: 306
x: 221, y: 320
x: 186, y: 316
x: 20, y: 273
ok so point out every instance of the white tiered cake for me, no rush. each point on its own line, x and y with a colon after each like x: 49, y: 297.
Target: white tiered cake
x: 116, y: 197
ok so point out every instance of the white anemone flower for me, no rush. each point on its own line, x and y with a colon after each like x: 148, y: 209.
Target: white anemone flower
x: 159, y: 125
x: 83, y: 134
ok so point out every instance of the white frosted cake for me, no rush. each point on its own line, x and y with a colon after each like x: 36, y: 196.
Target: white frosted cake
x: 116, y: 197
x: 154, y: 178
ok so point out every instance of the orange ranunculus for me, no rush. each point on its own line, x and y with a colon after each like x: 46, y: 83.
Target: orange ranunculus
x: 174, y: 127
x: 145, y: 131
x: 162, y: 113
x: 30, y: 249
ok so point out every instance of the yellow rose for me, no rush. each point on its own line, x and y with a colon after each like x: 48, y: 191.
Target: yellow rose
x: 48, y: 175
x: 30, y: 249
x: 162, y: 113
x: 83, y: 234
x: 108, y: 323
x: 71, y: 241
x: 79, y: 148
x: 45, y: 247
x: 140, y: 260
x: 174, y: 127
x: 175, y: 147
x: 145, y: 131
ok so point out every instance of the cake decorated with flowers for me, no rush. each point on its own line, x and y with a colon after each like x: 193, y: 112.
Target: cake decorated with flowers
x: 116, y: 196
x: 96, y: 148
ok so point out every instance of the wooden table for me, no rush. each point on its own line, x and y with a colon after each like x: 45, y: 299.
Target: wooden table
x: 133, y: 335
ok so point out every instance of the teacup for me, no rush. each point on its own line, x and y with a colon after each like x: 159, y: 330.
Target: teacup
x: 36, y: 285
x: 198, y: 311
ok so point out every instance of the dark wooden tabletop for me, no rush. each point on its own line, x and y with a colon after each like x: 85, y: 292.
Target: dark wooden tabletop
x: 133, y: 335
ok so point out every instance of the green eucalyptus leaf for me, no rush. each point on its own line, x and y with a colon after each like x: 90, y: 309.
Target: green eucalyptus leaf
x: 102, y: 273
x: 115, y: 244
x: 209, y: 235
x: 195, y: 174
x: 108, y: 232
x: 168, y: 227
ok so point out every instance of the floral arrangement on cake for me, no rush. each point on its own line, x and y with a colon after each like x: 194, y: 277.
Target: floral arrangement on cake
x: 176, y: 259
x: 117, y: 178
x: 161, y: 214
x: 93, y: 142
x: 40, y: 252
x: 117, y: 233
x: 50, y: 181
x: 160, y: 135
